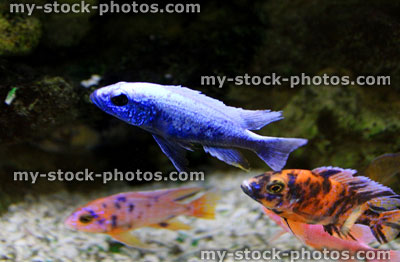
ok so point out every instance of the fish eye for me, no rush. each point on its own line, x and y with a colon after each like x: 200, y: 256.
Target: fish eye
x: 85, y: 219
x: 275, y: 187
x: 119, y: 100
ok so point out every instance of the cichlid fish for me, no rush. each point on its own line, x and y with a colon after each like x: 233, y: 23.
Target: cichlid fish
x: 119, y: 214
x: 179, y: 117
x: 316, y: 237
x: 329, y: 196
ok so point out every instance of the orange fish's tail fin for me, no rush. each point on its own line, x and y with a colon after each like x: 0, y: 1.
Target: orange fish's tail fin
x: 387, y: 226
x: 204, y: 207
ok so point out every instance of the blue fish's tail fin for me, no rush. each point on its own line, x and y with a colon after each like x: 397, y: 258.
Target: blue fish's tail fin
x: 275, y: 151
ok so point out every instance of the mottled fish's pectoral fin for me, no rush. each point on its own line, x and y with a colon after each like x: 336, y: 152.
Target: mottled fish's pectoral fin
x: 228, y: 155
x: 172, y: 224
x: 129, y: 239
x: 175, y: 152
x: 351, y: 220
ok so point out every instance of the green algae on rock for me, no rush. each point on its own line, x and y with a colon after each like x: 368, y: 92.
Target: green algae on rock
x: 18, y: 35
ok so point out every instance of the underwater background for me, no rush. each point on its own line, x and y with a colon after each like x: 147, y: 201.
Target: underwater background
x: 51, y: 124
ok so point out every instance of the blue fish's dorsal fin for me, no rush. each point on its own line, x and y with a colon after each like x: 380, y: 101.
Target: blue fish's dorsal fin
x: 174, y: 152
x: 256, y: 119
x: 361, y: 184
x: 248, y: 119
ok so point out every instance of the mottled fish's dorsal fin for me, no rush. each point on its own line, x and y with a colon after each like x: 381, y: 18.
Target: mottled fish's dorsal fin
x: 175, y: 152
x: 228, y: 155
x: 248, y: 119
x: 329, y: 171
x: 360, y: 184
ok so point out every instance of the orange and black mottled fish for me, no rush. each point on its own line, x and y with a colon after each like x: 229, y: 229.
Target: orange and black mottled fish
x: 119, y: 214
x: 329, y: 196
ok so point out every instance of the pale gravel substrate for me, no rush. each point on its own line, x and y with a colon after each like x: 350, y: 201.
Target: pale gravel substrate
x: 34, y: 230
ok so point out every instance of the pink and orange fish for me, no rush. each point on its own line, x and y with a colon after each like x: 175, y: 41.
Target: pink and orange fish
x: 119, y: 214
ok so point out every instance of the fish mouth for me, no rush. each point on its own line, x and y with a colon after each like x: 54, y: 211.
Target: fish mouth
x: 69, y: 224
x: 95, y: 98
x: 247, y: 189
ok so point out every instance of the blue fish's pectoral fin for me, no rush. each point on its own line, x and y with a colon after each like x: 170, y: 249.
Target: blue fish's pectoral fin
x: 275, y: 151
x: 256, y: 119
x: 172, y: 224
x: 175, y: 152
x: 129, y: 239
x: 228, y: 155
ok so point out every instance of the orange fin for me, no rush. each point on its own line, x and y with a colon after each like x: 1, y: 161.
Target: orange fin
x: 172, y: 224
x: 127, y: 238
x: 204, y: 207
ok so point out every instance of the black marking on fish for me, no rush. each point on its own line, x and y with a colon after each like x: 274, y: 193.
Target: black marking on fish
x: 121, y: 199
x: 326, y: 185
x: 276, y: 211
x: 376, y: 208
x: 329, y: 173
x: 185, y: 196
x: 117, y: 205
x: 101, y: 221
x: 287, y: 223
x: 381, y: 235
x: 131, y: 207
x: 104, y: 205
x: 337, y: 231
x: 340, y: 202
x: 314, y: 189
x: 307, y: 181
x: 163, y: 224
x: 148, y: 205
x: 392, y: 225
x: 368, y: 195
x: 114, y: 220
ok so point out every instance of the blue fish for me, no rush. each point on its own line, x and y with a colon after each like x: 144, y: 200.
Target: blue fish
x: 179, y: 117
